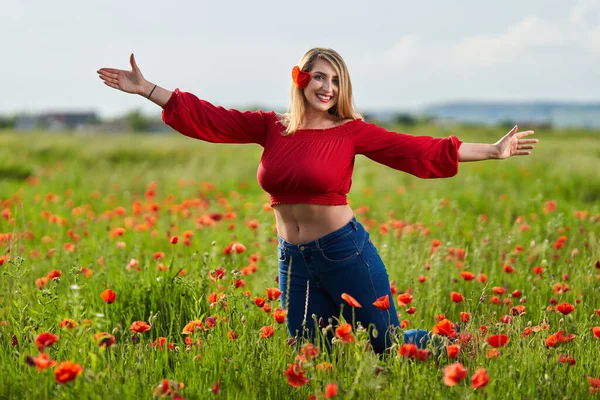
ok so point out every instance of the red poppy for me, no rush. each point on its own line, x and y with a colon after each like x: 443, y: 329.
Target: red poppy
x: 55, y: 273
x: 174, y: 239
x: 411, y: 310
x: 557, y: 338
x: 480, y: 379
x: 444, y: 328
x: 331, y: 390
x: 383, y: 303
x: 42, y: 361
x: 139, y: 326
x: 596, y: 331
x: 295, y: 375
x: 454, y: 373
x: 259, y: 301
x: 45, y: 339
x: 537, y: 270
x: 67, y: 322
x: 192, y: 327
x: 273, y: 293
x: 109, y: 296
x: 453, y: 350
x: 565, y: 308
x: 344, y: 332
x: 279, y: 315
x: 308, y: 352
x: 232, y: 335
x: 594, y: 382
x: 267, y: 331
x: 404, y: 299
x: 499, y: 290
x: 300, y: 78
x: 66, y: 371
x: 104, y: 339
x: 467, y: 276
x: 161, y: 341
x: 351, y: 300
x: 497, y: 340
x: 465, y: 317
x: 456, y: 297
x: 408, y: 350
x: 566, y: 359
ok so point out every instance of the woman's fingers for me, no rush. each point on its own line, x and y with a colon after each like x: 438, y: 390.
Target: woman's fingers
x: 134, y: 66
x: 109, y: 70
x: 112, y: 85
x: 528, y: 141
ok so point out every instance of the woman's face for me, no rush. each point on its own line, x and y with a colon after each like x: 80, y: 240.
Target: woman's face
x: 322, y: 91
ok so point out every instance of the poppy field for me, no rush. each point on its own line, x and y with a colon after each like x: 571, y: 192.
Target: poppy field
x: 146, y: 267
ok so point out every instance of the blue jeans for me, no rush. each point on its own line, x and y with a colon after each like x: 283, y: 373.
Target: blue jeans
x: 343, y: 261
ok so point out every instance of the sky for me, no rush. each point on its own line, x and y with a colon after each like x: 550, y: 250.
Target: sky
x: 402, y: 55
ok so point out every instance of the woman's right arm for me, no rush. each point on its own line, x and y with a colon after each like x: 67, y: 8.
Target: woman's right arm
x: 187, y: 114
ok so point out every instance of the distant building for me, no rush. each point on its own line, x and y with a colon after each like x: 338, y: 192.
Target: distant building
x: 56, y: 121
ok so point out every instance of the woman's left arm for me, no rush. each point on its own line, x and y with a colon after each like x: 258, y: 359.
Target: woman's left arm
x: 512, y: 144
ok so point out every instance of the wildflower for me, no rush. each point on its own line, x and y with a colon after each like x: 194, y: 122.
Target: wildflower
x: 444, y: 328
x: 66, y: 371
x: 456, y: 297
x: 192, y: 327
x: 480, y: 379
x: 232, y: 335
x: 174, y: 239
x: 566, y: 359
x: 324, y: 366
x: 467, y: 276
x: 109, y: 296
x: 279, y: 315
x: 267, y: 331
x: 383, y: 303
x: 499, y: 290
x: 596, y: 331
x: 104, y: 339
x: 161, y: 341
x: 259, y: 301
x: 408, y: 350
x: 55, y: 273
x: 295, y: 375
x: 453, y: 350
x: 331, y: 390
x: 45, y: 339
x: 273, y: 293
x: 42, y: 362
x: 140, y: 326
x: 465, y: 317
x: 308, y: 352
x: 351, y: 300
x: 497, y: 340
x: 344, y: 332
x: 454, y: 373
x: 404, y: 299
x: 557, y: 338
x: 565, y: 308
x: 68, y: 323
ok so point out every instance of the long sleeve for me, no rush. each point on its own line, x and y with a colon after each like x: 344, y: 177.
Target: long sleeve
x: 422, y: 156
x: 199, y: 119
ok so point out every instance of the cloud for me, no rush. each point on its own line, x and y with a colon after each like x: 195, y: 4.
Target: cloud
x: 528, y: 36
x: 586, y: 12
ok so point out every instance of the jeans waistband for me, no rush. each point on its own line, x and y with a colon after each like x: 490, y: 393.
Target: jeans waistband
x: 352, y: 225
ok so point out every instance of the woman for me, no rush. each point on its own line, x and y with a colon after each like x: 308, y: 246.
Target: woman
x: 306, y: 167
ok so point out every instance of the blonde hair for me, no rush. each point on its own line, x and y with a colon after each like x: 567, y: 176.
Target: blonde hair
x: 344, y: 107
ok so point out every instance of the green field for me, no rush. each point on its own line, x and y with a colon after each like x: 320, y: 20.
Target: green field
x: 63, y: 198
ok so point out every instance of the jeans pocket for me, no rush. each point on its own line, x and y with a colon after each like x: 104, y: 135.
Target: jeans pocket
x: 340, y: 250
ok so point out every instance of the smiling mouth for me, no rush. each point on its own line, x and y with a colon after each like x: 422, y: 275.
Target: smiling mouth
x: 323, y: 98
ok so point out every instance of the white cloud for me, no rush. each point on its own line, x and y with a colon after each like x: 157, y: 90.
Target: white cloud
x: 402, y: 51
x: 586, y: 12
x: 523, y: 39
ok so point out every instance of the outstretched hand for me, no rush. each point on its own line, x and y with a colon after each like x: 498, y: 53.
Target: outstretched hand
x: 512, y: 144
x: 126, y: 81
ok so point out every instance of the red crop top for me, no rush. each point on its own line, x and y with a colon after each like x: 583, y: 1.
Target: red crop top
x: 312, y: 166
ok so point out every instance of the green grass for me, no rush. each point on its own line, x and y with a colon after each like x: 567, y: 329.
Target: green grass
x: 82, y: 180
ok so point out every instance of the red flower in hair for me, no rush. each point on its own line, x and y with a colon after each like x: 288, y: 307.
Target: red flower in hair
x: 301, y: 78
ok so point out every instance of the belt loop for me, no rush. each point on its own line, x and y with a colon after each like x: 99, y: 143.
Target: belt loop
x: 354, y: 223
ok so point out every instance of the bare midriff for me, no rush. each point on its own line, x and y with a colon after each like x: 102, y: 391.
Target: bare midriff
x: 300, y: 223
